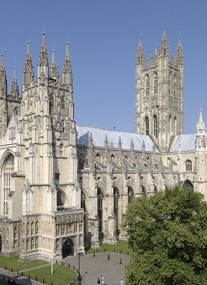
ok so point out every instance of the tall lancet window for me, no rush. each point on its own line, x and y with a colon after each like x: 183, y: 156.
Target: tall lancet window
x: 130, y: 195
x: 147, y: 125
x: 100, y: 209
x: 155, y: 126
x: 155, y: 83
x: 8, y: 169
x: 175, y: 84
x: 147, y: 84
x: 175, y: 125
x: 116, y: 208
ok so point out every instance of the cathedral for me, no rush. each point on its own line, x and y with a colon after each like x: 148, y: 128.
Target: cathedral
x: 64, y: 186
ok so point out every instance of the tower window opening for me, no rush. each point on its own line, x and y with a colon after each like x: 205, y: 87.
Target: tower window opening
x: 188, y: 165
x: 147, y: 84
x: 155, y: 126
x: 147, y: 125
x: 155, y: 83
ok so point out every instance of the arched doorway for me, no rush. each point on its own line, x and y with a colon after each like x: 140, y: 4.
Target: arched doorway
x: 187, y: 184
x: 68, y: 248
x: 0, y: 244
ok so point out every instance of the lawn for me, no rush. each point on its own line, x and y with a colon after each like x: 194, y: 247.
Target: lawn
x: 12, y: 263
x: 2, y: 282
x: 121, y: 247
x: 61, y: 275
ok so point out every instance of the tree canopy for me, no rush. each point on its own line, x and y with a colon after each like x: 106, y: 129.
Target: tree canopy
x: 168, y: 239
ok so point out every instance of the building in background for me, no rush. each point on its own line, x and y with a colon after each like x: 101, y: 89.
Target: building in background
x: 64, y: 186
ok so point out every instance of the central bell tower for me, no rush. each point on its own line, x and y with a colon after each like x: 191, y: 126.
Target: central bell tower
x: 159, y: 94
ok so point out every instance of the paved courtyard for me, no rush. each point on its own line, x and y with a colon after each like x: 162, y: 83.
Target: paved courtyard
x: 109, y: 265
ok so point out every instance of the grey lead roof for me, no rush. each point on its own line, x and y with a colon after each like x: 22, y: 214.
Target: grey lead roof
x: 180, y: 143
x: 183, y: 143
x: 113, y: 137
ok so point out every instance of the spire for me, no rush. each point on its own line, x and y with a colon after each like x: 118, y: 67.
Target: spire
x: 3, y: 80
x: 200, y: 124
x: 90, y: 140
x: 14, y: 93
x: 179, y: 52
x: 132, y: 145
x: 67, y: 70
x: 201, y: 133
x: 53, y: 68
x: 106, y: 142
x: 43, y: 62
x: 140, y: 53
x: 119, y: 144
x: 164, y: 44
x: 28, y: 72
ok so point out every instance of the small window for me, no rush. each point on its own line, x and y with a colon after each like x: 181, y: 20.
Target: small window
x: 188, y: 165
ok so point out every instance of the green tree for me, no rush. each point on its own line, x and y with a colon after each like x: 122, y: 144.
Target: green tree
x: 168, y: 237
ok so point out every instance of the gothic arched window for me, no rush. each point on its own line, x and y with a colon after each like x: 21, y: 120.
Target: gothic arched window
x: 175, y: 84
x: 188, y: 165
x: 100, y: 209
x: 155, y: 126
x: 155, y: 83
x: 170, y: 124
x: 62, y: 102
x: 175, y: 125
x: 170, y: 82
x: 147, y: 125
x: 8, y: 169
x: 147, y: 84
x: 130, y: 195
x: 83, y: 206
x: 51, y: 100
x: 116, y: 208
x: 143, y: 190
x: 81, y: 161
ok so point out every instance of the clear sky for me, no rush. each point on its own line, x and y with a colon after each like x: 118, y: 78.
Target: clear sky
x: 103, y: 37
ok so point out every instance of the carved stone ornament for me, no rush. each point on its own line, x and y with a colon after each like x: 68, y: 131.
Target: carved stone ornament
x: 27, y: 187
x: 58, y: 126
x: 12, y: 133
x: 52, y: 187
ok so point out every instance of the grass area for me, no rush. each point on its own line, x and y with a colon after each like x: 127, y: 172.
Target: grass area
x: 2, y: 282
x: 13, y: 263
x: 120, y: 247
x: 61, y: 275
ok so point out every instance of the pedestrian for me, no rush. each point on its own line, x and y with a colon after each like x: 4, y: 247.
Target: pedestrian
x: 121, y: 282
x: 98, y: 281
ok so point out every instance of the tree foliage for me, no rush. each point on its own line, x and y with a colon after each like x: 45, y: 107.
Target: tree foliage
x: 168, y: 237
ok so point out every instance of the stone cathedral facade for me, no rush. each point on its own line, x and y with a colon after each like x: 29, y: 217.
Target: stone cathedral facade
x: 64, y: 186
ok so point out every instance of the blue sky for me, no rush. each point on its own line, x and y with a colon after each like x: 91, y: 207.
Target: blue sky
x: 103, y: 37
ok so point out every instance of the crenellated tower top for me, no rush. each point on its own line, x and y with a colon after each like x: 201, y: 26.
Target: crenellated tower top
x: 159, y: 93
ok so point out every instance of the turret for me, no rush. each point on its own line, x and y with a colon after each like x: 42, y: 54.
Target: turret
x: 164, y: 45
x: 43, y: 63
x: 54, y: 74
x: 14, y: 92
x: 140, y: 53
x: 201, y: 133
x: 3, y: 80
x: 67, y: 70
x: 28, y: 72
x: 179, y: 53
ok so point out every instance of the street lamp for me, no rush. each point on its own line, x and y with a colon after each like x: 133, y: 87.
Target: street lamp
x: 79, y: 267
